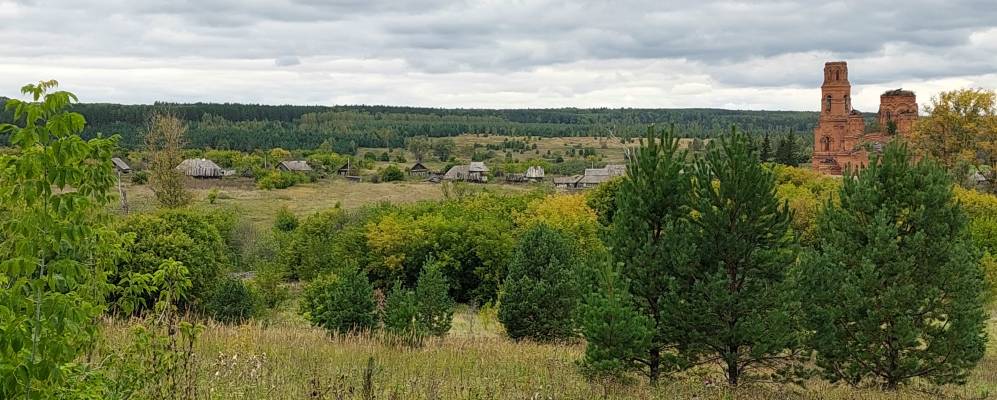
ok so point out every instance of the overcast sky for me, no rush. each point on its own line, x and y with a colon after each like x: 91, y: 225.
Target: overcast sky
x: 496, y: 54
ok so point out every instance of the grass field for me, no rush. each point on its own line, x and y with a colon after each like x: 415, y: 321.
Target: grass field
x: 286, y: 359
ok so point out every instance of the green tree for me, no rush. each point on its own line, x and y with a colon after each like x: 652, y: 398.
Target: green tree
x: 419, y: 146
x: 893, y: 290
x: 55, y: 247
x: 401, y: 315
x: 728, y: 306
x: 786, y: 151
x: 765, y: 154
x: 651, y: 235
x: 232, y: 301
x: 341, y: 303
x: 540, y: 293
x: 435, y: 305
x: 443, y: 147
x: 617, y: 335
x: 392, y: 173
x: 960, y: 133
x: 164, y: 140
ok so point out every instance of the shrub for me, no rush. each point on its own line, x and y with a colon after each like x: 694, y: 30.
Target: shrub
x: 269, y: 284
x: 435, y: 305
x: 232, y: 301
x: 285, y: 221
x: 540, y: 293
x: 279, y: 180
x: 182, y: 235
x: 212, y: 196
x: 341, y: 303
x: 392, y: 173
x: 140, y: 177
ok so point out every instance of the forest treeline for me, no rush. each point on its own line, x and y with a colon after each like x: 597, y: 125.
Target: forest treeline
x: 344, y: 128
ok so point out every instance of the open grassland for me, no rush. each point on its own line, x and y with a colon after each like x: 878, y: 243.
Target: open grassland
x: 260, y: 206
x: 286, y: 359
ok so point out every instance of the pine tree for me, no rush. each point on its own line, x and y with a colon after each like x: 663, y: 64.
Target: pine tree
x: 784, y: 151
x: 540, y: 293
x: 401, y: 315
x: 435, y: 305
x: 894, y: 289
x: 651, y: 234
x: 728, y: 307
x: 766, y: 152
x: 616, y: 334
x: 348, y: 303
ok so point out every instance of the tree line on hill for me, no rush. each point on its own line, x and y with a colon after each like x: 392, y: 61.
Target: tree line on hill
x: 247, y: 127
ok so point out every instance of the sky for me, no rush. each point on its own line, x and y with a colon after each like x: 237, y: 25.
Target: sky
x: 757, y: 55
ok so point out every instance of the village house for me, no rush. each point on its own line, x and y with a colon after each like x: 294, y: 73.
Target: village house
x: 419, y: 170
x: 200, y: 168
x: 474, y: 172
x: 294, y: 166
x: 595, y: 176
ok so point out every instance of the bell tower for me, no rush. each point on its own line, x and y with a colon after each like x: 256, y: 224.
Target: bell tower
x: 839, y: 127
x: 836, y: 90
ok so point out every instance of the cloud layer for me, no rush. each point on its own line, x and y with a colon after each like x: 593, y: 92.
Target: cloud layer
x: 521, y: 53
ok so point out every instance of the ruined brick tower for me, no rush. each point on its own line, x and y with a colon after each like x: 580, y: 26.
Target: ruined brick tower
x: 841, y: 138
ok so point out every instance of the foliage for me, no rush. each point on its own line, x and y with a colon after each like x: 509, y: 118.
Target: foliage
x: 540, y: 294
x: 569, y: 214
x: 212, y: 196
x: 279, y: 180
x: 341, y: 303
x: 435, y: 305
x: 285, y: 220
x: 268, y: 284
x: 651, y: 235
x: 442, y: 148
x: 401, y: 315
x: 617, y: 335
x: 893, y: 290
x: 189, y: 237
x: 164, y: 140
x: 140, y: 177
x: 55, y: 248
x: 392, y: 173
x: 232, y: 301
x: 728, y: 306
x: 602, y: 200
x: 960, y: 132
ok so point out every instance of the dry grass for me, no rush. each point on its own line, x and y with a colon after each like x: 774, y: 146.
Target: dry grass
x: 286, y: 359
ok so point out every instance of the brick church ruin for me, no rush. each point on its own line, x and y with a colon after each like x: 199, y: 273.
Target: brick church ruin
x: 841, y: 138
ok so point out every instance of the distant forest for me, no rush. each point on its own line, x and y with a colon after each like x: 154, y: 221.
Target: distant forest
x: 344, y: 128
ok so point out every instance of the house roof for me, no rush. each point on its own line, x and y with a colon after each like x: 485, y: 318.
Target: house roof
x: 296, y: 165
x: 457, y: 172
x: 567, y: 180
x: 477, y: 166
x: 418, y: 167
x: 199, y: 167
x: 120, y: 164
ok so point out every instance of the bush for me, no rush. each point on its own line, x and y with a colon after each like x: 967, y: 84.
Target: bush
x: 189, y: 237
x: 342, y: 303
x: 401, y: 315
x: 285, y: 221
x: 232, y: 302
x: 392, y: 173
x: 269, y: 284
x: 279, y: 180
x: 212, y: 196
x: 140, y: 177
x: 540, y: 293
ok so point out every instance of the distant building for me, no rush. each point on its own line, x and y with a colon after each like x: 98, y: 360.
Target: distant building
x: 474, y: 172
x: 567, y: 182
x: 294, y: 166
x: 596, y: 176
x: 419, y: 170
x: 200, y: 168
x: 840, y: 138
x: 121, y: 166
x: 348, y: 170
x: 535, y: 174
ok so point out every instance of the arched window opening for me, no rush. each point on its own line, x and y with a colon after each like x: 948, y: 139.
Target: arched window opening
x: 848, y: 104
x: 828, y: 103
x: 825, y: 143
x: 837, y: 75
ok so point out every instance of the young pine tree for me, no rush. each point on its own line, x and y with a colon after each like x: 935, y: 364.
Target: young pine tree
x: 616, y: 334
x: 765, y: 153
x: 728, y: 307
x: 651, y: 234
x: 540, y: 293
x: 435, y: 305
x: 893, y: 290
x: 341, y: 303
x: 401, y: 314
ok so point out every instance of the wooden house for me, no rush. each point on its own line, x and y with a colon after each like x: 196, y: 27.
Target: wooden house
x: 419, y: 170
x: 294, y: 166
x: 200, y: 168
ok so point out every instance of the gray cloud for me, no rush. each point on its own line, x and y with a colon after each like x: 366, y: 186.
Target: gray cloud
x: 714, y: 45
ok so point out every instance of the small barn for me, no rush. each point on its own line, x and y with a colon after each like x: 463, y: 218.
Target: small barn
x: 419, y: 170
x: 535, y: 173
x: 595, y: 176
x: 294, y: 166
x: 474, y: 172
x: 121, y: 166
x: 567, y: 182
x: 200, y: 168
x: 477, y: 171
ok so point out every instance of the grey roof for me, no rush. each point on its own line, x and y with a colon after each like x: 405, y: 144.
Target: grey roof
x: 535, y: 172
x: 200, y: 167
x: 120, y: 164
x: 567, y: 180
x: 418, y: 167
x: 599, y: 175
x: 295, y: 165
x: 457, y: 172
x: 477, y: 166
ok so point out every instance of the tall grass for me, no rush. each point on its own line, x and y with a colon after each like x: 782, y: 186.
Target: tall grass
x: 286, y: 359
